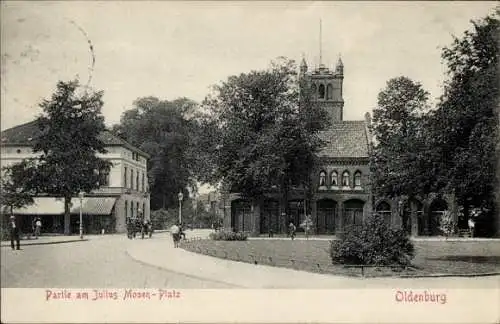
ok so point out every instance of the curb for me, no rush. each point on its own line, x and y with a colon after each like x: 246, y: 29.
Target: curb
x: 49, y: 243
x: 181, y: 273
x: 437, y: 275
x: 444, y: 275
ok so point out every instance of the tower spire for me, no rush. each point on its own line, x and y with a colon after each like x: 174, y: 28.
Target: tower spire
x: 320, y: 44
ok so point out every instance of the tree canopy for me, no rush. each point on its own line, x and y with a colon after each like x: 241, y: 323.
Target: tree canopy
x: 164, y: 129
x: 16, y: 192
x: 69, y: 142
x: 266, y: 134
x: 466, y: 121
x: 399, y: 127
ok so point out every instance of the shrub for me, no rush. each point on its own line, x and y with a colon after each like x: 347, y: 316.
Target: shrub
x: 228, y: 236
x: 373, y: 243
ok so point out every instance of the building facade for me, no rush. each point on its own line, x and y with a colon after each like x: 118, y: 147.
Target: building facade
x: 124, y: 192
x: 342, y: 195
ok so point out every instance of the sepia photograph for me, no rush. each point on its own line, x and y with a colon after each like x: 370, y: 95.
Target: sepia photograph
x: 257, y: 161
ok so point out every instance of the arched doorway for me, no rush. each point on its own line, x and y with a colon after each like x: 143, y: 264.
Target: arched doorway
x: 326, y: 215
x: 383, y: 210
x: 269, y: 218
x: 353, y: 212
x: 240, y: 215
x: 406, y: 221
x: 436, y: 210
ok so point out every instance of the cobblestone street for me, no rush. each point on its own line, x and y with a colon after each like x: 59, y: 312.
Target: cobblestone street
x: 99, y: 262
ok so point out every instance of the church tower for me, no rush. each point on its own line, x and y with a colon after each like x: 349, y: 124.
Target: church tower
x: 326, y: 86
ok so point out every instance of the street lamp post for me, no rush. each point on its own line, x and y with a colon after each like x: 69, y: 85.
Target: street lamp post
x: 81, y: 194
x: 180, y: 196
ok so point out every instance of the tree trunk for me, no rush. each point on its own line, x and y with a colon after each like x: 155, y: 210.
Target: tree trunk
x: 67, y: 215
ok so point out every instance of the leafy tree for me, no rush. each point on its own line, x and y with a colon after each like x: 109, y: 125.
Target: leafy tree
x: 163, y: 129
x: 70, y: 126
x: 465, y: 126
x: 15, y: 184
x: 400, y: 156
x: 266, y: 135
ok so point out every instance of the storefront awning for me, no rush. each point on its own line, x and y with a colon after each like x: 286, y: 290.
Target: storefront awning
x: 42, y: 206
x: 93, y: 205
x: 55, y: 206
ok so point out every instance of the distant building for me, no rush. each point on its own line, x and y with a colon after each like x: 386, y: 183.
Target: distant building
x: 124, y: 192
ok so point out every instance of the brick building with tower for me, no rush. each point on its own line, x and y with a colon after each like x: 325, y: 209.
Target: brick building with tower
x: 342, y: 193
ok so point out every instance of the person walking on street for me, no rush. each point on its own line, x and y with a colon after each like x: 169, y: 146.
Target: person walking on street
x: 14, y: 233
x: 292, y: 230
x: 175, y: 230
x: 38, y: 227
x: 471, y: 224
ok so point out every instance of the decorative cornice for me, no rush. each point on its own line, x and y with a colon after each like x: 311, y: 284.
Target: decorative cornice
x: 344, y: 161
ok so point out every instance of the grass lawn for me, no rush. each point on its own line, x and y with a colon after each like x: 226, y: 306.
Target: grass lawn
x: 431, y: 257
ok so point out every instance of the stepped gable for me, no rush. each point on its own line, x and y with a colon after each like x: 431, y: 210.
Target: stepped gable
x: 345, y: 139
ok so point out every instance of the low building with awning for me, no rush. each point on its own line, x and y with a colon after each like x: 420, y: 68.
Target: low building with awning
x: 124, y: 190
x: 97, y: 213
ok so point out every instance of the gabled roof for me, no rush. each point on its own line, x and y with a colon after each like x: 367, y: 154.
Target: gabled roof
x: 345, y: 139
x: 23, y: 135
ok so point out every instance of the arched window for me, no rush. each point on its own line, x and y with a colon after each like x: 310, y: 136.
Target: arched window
x: 313, y: 90
x: 131, y: 178
x: 132, y: 209
x: 357, y: 179
x: 321, y: 91
x: 125, y: 177
x: 322, y: 178
x: 334, y: 179
x: 329, y: 92
x: 137, y: 180
x: 345, y: 179
x: 126, y: 209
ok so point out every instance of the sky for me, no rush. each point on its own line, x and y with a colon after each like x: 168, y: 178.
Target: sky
x: 179, y: 49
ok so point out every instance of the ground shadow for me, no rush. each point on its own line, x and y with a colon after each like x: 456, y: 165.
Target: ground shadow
x: 468, y: 258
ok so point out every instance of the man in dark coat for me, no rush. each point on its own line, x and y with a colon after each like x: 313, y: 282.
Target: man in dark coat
x: 14, y: 233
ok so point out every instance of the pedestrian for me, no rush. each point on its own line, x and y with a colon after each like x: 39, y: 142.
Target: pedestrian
x: 14, y: 233
x: 33, y: 228
x: 471, y: 224
x: 182, y: 234
x: 144, y: 229
x: 150, y: 228
x: 38, y: 227
x: 175, y: 231
x: 129, y: 228
x: 292, y: 229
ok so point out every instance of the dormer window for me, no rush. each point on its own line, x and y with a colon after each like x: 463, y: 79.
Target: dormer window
x: 345, y: 179
x: 334, y: 179
x: 322, y: 179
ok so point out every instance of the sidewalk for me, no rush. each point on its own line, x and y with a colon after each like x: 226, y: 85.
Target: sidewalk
x: 159, y: 252
x: 56, y: 239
